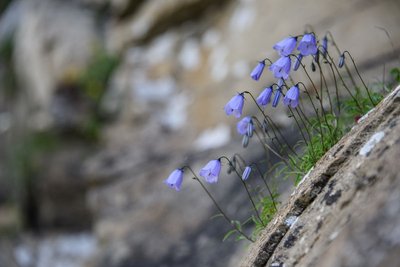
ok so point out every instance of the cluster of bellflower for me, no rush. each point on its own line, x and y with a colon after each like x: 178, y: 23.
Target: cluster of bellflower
x: 281, y: 70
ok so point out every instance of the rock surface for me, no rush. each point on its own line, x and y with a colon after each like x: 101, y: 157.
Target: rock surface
x: 174, y: 77
x: 345, y: 212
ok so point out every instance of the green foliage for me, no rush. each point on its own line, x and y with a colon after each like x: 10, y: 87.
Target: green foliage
x: 95, y: 79
x: 8, y: 78
x: 93, y: 83
x: 3, y: 5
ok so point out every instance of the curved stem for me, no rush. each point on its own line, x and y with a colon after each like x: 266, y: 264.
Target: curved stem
x: 339, y: 53
x: 216, y: 205
x: 359, y: 75
x: 266, y: 185
x: 245, y: 186
x: 344, y: 83
x: 271, y: 122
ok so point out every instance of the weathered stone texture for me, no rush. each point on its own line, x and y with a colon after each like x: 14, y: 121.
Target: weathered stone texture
x: 346, y: 210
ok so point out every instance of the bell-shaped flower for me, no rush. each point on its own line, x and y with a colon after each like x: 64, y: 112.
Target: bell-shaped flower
x: 211, y: 171
x: 292, y: 97
x: 265, y: 97
x: 308, y: 45
x: 286, y: 46
x: 281, y: 67
x: 175, y: 179
x: 246, y: 173
x: 235, y: 106
x: 257, y: 71
x: 242, y: 125
x: 341, y: 61
x: 298, y: 62
x: 276, y: 98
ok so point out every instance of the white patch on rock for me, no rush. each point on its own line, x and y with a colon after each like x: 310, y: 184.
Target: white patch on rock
x: 211, y: 38
x: 175, y: 114
x: 63, y: 250
x: 219, y: 67
x: 151, y: 90
x: 305, y: 176
x: 242, y: 18
x: 278, y: 264
x: 213, y: 138
x: 161, y: 49
x: 365, y: 116
x: 189, y: 57
x: 367, y: 148
x: 240, y: 69
x: 333, y: 235
x: 291, y: 221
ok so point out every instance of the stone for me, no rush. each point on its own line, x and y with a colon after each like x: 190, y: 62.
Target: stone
x: 53, y: 40
x: 347, y: 209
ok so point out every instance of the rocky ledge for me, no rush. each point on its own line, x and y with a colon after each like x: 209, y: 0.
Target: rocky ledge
x: 345, y: 211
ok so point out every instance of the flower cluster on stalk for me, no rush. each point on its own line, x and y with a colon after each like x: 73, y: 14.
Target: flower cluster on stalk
x: 281, y: 69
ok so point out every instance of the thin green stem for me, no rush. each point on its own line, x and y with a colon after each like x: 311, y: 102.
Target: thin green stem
x: 359, y: 75
x: 266, y: 185
x: 217, y: 206
x: 245, y: 186
x: 271, y: 123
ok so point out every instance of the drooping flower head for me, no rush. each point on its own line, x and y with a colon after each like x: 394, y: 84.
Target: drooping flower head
x: 246, y: 173
x: 235, y: 106
x: 276, y: 98
x: 341, y: 61
x: 281, y: 67
x: 308, y: 45
x: 175, y: 179
x: 298, y: 62
x: 292, y: 97
x: 242, y: 125
x: 211, y: 171
x: 286, y: 46
x: 257, y: 71
x: 265, y: 97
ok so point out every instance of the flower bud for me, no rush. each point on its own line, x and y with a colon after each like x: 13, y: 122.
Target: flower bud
x: 245, y: 140
x: 316, y: 57
x: 312, y: 66
x: 276, y: 98
x: 246, y: 173
x: 250, y: 129
x: 341, y: 61
x: 298, y: 62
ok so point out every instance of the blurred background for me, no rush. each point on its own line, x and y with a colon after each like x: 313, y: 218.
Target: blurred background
x: 101, y: 99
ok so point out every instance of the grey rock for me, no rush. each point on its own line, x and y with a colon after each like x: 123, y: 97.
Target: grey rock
x: 347, y: 207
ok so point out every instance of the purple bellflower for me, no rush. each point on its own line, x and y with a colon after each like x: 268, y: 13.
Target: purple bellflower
x: 235, y: 106
x: 292, y: 97
x: 211, y: 171
x: 280, y: 82
x: 281, y: 67
x: 242, y: 125
x: 298, y: 62
x: 276, y: 98
x: 257, y: 71
x: 175, y: 179
x: 308, y: 45
x: 286, y: 46
x: 246, y: 173
x: 265, y: 97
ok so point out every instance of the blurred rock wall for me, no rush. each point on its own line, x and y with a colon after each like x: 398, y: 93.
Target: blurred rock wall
x: 177, y: 63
